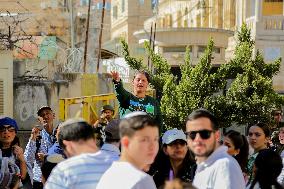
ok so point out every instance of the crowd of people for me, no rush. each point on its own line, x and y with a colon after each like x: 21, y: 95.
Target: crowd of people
x: 136, y: 152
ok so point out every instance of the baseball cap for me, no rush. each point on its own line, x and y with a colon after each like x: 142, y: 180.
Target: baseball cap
x: 107, y: 107
x: 112, y: 130
x: 43, y: 108
x: 172, y: 135
x: 8, y: 121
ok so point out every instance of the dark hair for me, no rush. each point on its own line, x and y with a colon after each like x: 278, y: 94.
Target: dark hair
x: 276, y: 111
x: 144, y: 73
x: 161, y: 167
x: 264, y: 127
x: 46, y: 169
x: 199, y: 113
x: 128, y: 126
x: 268, y: 167
x: 240, y: 142
x: 75, y: 130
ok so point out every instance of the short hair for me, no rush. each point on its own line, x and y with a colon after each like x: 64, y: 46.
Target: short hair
x: 144, y: 72
x: 276, y: 111
x: 201, y: 112
x: 128, y: 126
x: 264, y: 127
x: 75, y: 130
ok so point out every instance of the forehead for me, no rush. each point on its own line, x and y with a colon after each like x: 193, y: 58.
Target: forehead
x: 227, y: 140
x: 140, y: 76
x: 45, y: 111
x: 281, y: 129
x: 147, y: 131
x: 108, y: 111
x: 199, y: 124
x: 277, y: 112
x: 256, y: 129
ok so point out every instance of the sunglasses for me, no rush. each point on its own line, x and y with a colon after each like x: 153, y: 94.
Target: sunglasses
x: 204, y: 134
x: 9, y: 129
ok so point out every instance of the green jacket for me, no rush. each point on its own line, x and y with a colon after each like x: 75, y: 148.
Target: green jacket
x: 130, y: 103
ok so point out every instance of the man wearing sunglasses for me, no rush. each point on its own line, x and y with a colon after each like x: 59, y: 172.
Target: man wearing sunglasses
x: 215, y: 167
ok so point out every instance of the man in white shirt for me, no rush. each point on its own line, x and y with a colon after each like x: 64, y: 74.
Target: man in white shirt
x: 215, y: 167
x: 139, y: 146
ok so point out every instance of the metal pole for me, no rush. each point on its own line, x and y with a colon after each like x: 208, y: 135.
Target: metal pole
x: 101, y: 35
x: 150, y: 44
x: 87, y: 37
x: 71, y: 8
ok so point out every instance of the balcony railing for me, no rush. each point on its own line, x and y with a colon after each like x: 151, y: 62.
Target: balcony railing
x: 273, y: 22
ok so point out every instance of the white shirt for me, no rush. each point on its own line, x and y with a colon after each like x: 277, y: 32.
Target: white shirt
x: 123, y: 175
x: 219, y: 171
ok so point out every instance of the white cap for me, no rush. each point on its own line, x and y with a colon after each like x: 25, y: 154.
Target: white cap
x: 172, y: 135
x: 134, y: 114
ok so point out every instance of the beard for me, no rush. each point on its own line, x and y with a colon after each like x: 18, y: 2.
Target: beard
x: 208, y: 152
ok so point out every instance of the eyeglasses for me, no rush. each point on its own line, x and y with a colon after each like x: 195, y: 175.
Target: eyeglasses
x: 9, y: 129
x: 204, y: 134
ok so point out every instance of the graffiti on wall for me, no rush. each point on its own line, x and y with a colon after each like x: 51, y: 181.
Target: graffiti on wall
x: 27, y: 100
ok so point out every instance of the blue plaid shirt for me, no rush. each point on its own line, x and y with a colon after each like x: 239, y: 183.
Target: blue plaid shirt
x: 46, y: 142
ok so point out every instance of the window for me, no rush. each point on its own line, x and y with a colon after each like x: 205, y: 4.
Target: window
x: 141, y: 2
x: 84, y: 2
x: 154, y: 3
x: 99, y: 6
x: 107, y: 6
x: 114, y: 14
x: 175, y: 49
x: 273, y: 0
x: 122, y: 5
x: 201, y: 49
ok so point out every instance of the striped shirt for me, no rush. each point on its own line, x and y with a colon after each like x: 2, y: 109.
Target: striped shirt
x: 30, y: 152
x: 83, y: 171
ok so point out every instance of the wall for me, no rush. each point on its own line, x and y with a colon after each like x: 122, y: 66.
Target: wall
x: 28, y: 98
x: 6, y: 77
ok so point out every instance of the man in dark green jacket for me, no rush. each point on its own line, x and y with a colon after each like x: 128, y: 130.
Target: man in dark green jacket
x: 138, y: 100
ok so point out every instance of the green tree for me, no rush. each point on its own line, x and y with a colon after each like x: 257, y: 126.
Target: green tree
x: 251, y: 96
x: 248, y: 99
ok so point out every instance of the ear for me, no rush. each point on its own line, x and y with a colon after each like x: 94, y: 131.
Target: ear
x: 165, y: 150
x: 124, y: 141
x: 217, y: 135
x: 238, y: 151
x: 68, y: 145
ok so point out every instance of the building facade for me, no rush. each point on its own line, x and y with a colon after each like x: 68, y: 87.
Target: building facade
x: 191, y: 23
x: 265, y: 18
x: 128, y: 16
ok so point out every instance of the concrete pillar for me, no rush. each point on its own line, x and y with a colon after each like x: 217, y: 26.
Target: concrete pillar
x: 258, y: 10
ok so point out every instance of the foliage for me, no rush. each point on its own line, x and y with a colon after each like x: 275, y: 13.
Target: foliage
x: 249, y: 98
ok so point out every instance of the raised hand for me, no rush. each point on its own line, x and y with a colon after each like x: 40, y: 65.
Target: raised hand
x: 115, y: 75
x: 35, y: 133
x: 19, y: 153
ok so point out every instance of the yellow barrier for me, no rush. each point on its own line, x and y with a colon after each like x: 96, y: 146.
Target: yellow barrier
x: 88, y: 106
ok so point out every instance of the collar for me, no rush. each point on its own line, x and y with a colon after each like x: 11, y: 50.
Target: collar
x: 110, y: 148
x: 220, y: 152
